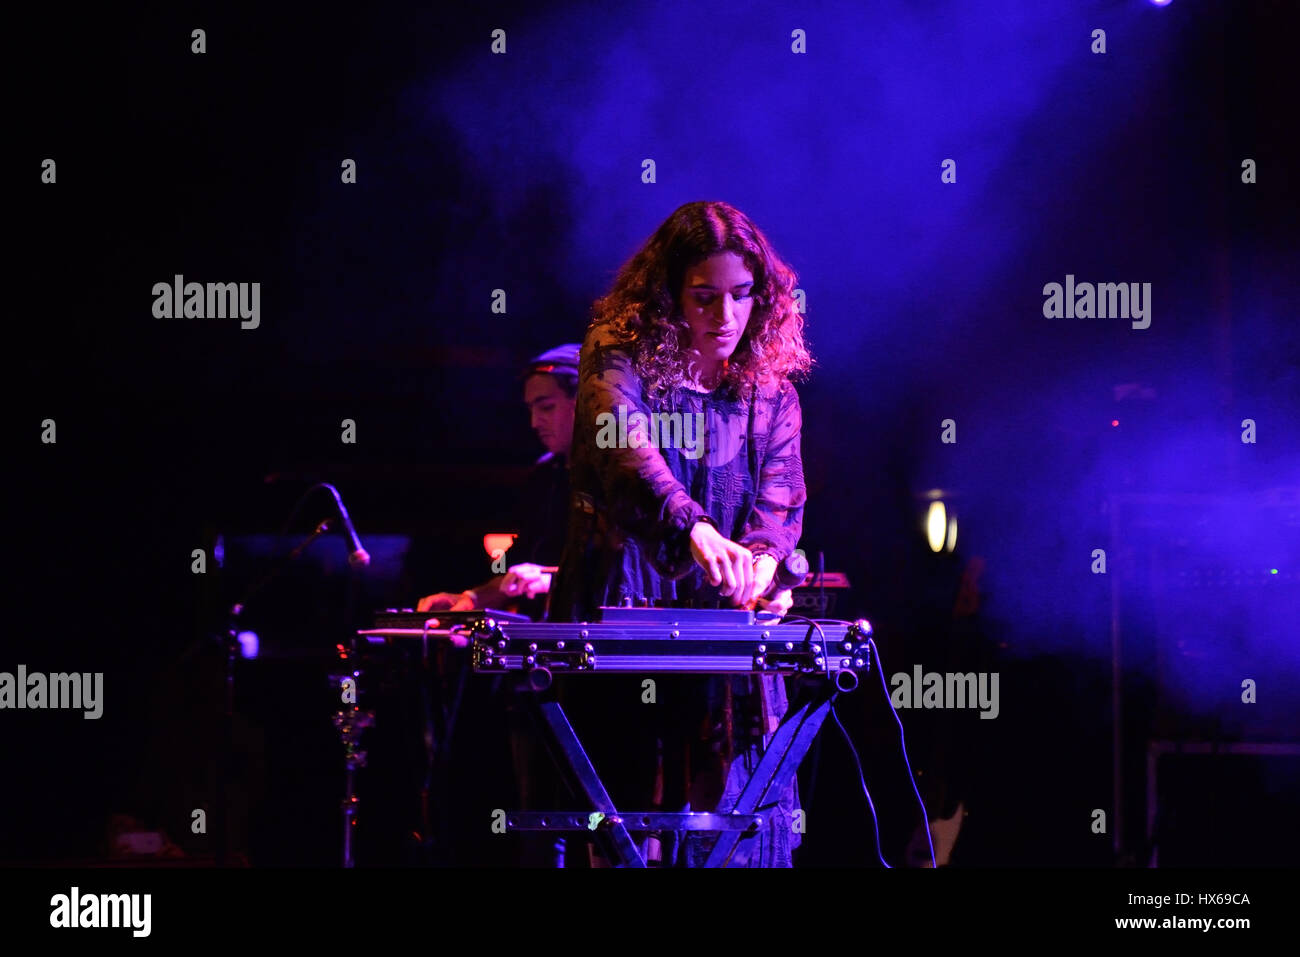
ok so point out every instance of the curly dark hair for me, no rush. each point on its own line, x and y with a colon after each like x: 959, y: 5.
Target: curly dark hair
x: 643, y: 310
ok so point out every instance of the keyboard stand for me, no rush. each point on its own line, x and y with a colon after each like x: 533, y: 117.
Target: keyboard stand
x: 775, y: 771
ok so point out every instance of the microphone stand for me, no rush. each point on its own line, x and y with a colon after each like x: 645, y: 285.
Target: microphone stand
x: 351, y: 722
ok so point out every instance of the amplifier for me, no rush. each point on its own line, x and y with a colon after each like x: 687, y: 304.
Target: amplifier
x: 817, y: 596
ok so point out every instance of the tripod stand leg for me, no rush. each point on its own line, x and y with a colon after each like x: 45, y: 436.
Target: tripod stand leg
x: 572, y: 762
x: 779, y: 764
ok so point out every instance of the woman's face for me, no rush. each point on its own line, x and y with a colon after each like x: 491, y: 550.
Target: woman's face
x: 716, y: 298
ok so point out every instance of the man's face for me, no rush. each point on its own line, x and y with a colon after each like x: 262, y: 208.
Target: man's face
x: 551, y: 412
x: 716, y: 298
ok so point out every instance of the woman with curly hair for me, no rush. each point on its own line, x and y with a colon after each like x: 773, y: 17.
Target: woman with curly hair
x: 688, y: 491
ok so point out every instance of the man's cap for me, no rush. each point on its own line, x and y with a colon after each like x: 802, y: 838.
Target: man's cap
x: 562, y: 360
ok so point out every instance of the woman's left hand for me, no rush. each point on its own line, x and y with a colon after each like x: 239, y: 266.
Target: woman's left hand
x: 778, y: 604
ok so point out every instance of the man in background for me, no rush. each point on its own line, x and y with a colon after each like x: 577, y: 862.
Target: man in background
x: 541, y: 517
x: 550, y: 391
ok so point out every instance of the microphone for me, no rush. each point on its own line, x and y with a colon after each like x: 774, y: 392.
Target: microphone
x: 358, y: 556
x: 791, y: 572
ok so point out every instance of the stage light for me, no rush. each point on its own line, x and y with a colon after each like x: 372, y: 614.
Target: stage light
x: 936, y: 526
x: 1114, y: 423
x: 952, y: 533
x: 1161, y: 3
x: 497, y: 543
x: 248, y: 644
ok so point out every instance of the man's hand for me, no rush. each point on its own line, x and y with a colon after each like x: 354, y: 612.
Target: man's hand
x: 725, y: 563
x: 526, y: 579
x: 447, y: 601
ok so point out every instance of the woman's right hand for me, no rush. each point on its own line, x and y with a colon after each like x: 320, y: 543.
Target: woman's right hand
x: 726, y: 564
